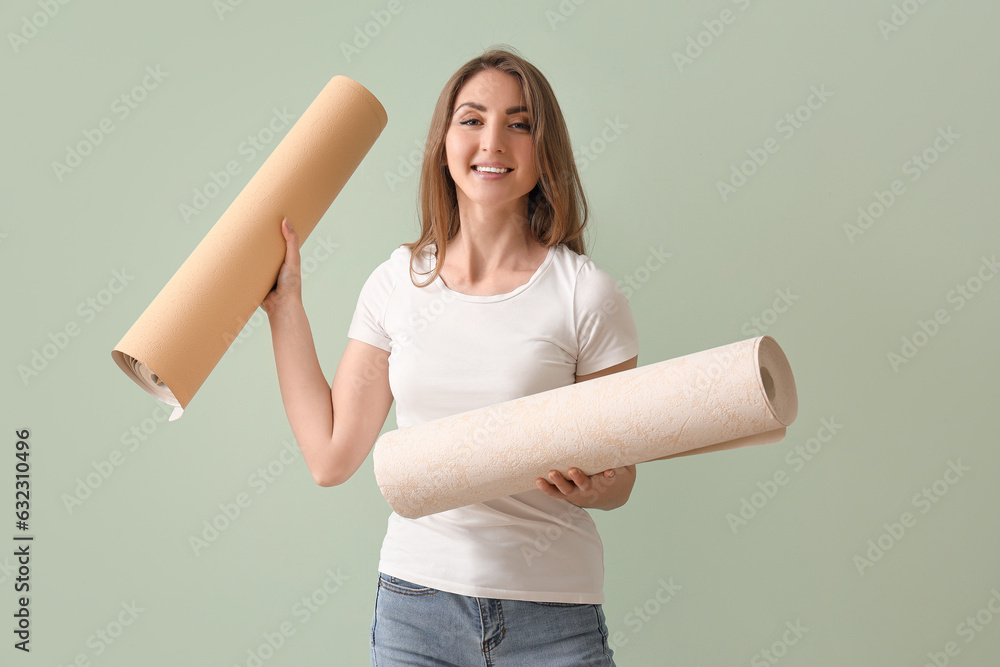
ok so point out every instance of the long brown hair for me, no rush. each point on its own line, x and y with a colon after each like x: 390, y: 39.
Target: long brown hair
x: 557, y: 206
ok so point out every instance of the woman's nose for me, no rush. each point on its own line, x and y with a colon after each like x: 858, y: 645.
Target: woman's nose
x: 493, y: 139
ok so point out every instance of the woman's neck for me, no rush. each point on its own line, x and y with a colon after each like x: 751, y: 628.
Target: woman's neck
x: 491, y: 242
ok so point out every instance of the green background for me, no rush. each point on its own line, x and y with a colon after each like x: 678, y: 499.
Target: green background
x: 681, y: 130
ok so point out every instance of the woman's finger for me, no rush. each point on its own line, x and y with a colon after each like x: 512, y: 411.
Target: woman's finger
x: 545, y: 487
x: 287, y: 284
x: 291, y: 242
x: 582, y: 481
x: 560, y: 482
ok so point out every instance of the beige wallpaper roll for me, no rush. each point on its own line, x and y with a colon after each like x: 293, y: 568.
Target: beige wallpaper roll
x: 178, y: 340
x: 730, y: 396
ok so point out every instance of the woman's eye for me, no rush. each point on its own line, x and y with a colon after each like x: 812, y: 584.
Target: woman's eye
x: 521, y: 125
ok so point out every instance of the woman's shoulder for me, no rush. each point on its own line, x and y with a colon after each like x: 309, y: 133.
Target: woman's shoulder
x: 398, y: 269
x: 569, y: 257
x: 404, y: 252
x: 398, y: 259
x: 386, y: 273
x: 580, y: 264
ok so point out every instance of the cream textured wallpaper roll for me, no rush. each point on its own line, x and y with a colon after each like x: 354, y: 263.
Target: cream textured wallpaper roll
x: 730, y: 396
x: 184, y: 332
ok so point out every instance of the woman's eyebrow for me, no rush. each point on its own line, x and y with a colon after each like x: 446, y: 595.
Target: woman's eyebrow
x: 479, y: 107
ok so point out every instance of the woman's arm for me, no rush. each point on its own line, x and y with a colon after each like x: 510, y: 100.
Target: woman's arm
x: 335, y: 425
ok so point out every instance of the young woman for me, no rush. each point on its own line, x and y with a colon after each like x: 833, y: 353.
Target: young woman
x: 512, y: 306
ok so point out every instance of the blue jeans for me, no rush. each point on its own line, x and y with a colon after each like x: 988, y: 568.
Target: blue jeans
x: 416, y: 625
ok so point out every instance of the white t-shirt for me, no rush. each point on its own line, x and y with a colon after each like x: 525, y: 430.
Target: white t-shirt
x: 451, y: 353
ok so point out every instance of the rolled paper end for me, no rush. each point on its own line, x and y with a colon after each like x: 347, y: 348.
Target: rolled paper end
x: 777, y: 384
x: 144, y: 376
x: 376, y: 106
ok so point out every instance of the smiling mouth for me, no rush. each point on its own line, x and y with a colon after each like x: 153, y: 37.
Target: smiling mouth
x: 492, y: 170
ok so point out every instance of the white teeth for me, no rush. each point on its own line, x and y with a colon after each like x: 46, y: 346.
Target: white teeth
x: 492, y: 170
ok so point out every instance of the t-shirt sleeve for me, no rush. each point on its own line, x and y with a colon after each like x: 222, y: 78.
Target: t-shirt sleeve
x: 605, y: 328
x: 368, y: 322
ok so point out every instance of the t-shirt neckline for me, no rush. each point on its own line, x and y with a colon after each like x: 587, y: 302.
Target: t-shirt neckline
x: 490, y: 298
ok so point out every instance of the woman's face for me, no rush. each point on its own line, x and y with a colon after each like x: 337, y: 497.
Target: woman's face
x: 490, y: 127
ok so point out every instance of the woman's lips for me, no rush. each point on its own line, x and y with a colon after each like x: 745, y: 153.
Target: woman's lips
x: 487, y: 171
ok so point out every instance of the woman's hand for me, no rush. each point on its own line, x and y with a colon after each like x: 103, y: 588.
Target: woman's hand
x: 288, y: 288
x: 605, y: 490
